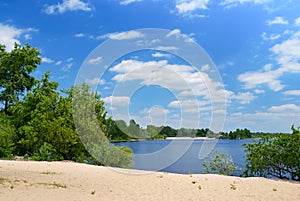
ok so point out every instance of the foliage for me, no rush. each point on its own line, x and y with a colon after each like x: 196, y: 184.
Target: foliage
x: 7, y: 135
x: 220, y: 163
x: 15, y: 69
x: 237, y: 134
x: 276, y: 157
x: 46, y: 153
x: 92, y: 132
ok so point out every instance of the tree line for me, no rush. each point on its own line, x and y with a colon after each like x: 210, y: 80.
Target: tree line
x: 37, y: 120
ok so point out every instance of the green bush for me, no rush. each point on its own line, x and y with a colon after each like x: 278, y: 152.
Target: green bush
x: 276, y: 157
x: 220, y: 163
x: 46, y: 153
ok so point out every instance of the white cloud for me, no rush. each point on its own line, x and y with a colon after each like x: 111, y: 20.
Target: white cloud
x: 184, y: 6
x: 234, y: 3
x: 265, y: 36
x: 178, y: 35
x: 191, y: 105
x: 270, y: 78
x: 79, y: 35
x: 245, y: 97
x: 116, y: 101
x: 297, y: 21
x: 275, y: 119
x: 95, y: 81
x: 127, y: 35
x: 277, y: 20
x: 259, y: 91
x: 159, y: 54
x: 67, y: 5
x: 47, y: 60
x: 287, y: 54
x: 96, y: 60
x: 58, y: 63
x: 285, y: 108
x: 9, y: 35
x: 126, y: 2
x: 292, y: 93
x: 167, y: 48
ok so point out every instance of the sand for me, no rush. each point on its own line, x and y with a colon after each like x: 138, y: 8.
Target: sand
x: 30, y: 181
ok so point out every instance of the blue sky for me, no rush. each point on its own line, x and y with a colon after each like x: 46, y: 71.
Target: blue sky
x: 254, y: 45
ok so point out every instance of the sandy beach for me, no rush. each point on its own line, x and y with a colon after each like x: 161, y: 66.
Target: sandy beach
x: 68, y: 181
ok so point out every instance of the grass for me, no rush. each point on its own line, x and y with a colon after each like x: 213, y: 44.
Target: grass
x: 233, y: 187
x: 274, y: 189
x: 54, y: 184
x: 199, y: 187
x: 194, y: 182
x: 93, y: 192
x: 49, y: 172
x: 3, y: 180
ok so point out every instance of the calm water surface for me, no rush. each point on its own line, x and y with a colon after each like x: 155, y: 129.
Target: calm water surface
x: 183, y: 156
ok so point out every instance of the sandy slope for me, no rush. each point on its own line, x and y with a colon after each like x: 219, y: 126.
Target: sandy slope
x: 22, y: 180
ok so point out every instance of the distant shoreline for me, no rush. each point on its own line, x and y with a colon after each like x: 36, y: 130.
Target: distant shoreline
x: 190, y: 138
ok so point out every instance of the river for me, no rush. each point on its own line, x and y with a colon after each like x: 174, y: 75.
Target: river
x: 183, y: 156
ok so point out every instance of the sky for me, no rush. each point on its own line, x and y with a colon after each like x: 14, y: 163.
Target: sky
x: 222, y: 64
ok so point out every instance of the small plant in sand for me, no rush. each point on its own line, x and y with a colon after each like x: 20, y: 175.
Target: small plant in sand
x: 199, y: 187
x: 93, y: 192
x: 220, y: 163
x: 233, y: 187
x: 194, y: 182
x: 48, y: 172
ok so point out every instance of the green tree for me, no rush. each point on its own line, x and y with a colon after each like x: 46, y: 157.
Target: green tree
x: 15, y: 69
x: 277, y: 156
x: 46, y: 117
x: 220, y: 163
x: 94, y: 134
x: 7, y: 135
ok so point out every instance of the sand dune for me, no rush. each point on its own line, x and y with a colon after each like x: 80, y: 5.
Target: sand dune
x: 27, y: 181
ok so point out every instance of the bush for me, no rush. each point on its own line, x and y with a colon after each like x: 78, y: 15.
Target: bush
x: 275, y: 157
x: 46, y: 153
x: 220, y: 163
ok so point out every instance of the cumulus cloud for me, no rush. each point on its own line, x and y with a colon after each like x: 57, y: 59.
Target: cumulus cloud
x: 277, y: 20
x: 177, y: 34
x: 95, y: 81
x: 95, y: 60
x: 287, y: 54
x: 47, y: 60
x: 292, y: 93
x: 159, y: 54
x: 234, y: 3
x: 79, y: 35
x: 285, y: 108
x: 117, y: 100
x: 184, y: 6
x: 271, y: 37
x: 245, y: 97
x: 126, y: 2
x: 127, y: 35
x: 297, y: 21
x: 9, y: 35
x: 67, y: 5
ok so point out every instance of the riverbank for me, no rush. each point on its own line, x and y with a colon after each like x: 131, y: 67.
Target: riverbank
x: 190, y: 138
x: 30, y: 180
